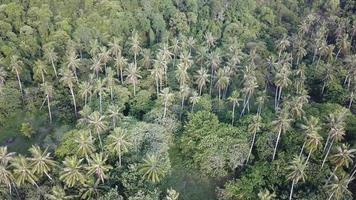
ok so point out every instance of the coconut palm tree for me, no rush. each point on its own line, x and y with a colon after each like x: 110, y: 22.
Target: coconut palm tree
x: 120, y: 63
x: 97, y: 166
x: 40, y: 70
x: 135, y: 46
x: 182, y: 74
x: 201, y: 79
x: 339, y: 187
x: 311, y: 127
x: 22, y: 171
x: 132, y: 73
x: 343, y: 44
x: 114, y: 113
x: 336, y: 124
x: 110, y: 82
x: 6, y: 177
x: 282, y: 44
x: 96, y: 66
x: 281, y: 125
x: 266, y: 195
x: 209, y: 39
x: 296, y: 168
x: 51, y: 56
x: 16, y: 66
x: 85, y: 91
x: 281, y: 81
x: 146, y: 58
x: 100, y: 89
x: 41, y: 161
x: 157, y: 72
x: 118, y: 143
x: 167, y: 97
x: 249, y: 86
x: 343, y: 157
x: 261, y: 100
x: 5, y: 156
x: 194, y: 99
x: 222, y: 81
x: 254, y: 127
x: 3, y: 75
x: 73, y: 62
x: 151, y: 168
x: 84, y: 143
x: 98, y: 124
x: 47, y: 89
x: 94, y: 47
x: 68, y: 80
x: 214, y: 61
x: 104, y: 56
x: 175, y: 49
x: 58, y: 193
x: 72, y: 172
x: 235, y: 100
x: 114, y: 47
x: 172, y: 194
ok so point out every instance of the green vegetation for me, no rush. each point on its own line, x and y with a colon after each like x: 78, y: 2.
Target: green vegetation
x: 177, y: 99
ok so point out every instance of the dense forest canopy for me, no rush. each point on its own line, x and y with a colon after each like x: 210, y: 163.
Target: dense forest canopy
x: 177, y: 99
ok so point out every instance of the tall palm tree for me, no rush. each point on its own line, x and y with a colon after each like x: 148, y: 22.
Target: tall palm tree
x: 40, y: 69
x: 281, y: 81
x: 114, y: 112
x: 175, y: 49
x: 249, y: 86
x: 281, y: 125
x: 339, y: 187
x: 343, y: 157
x: 6, y: 177
x: 47, y: 89
x: 336, y: 124
x: 297, y: 167
x: 72, y: 172
x: 261, y: 100
x: 114, y: 47
x: 41, y: 161
x: 182, y: 74
x: 254, y: 127
x: 214, y: 61
x: 97, y: 166
x: 3, y: 75
x: 282, y: 44
x: 146, y: 58
x: 266, y: 195
x: 201, y: 79
x: 120, y: 63
x: 16, y: 66
x: 157, y: 72
x: 222, y: 81
x: 235, y: 100
x: 167, y: 97
x: 85, y: 144
x: 73, y: 62
x: 151, y: 168
x: 51, y: 56
x: 104, y: 56
x: 68, y: 80
x: 96, y: 66
x: 110, y: 82
x: 313, y: 142
x: 184, y: 91
x: 310, y: 128
x: 132, y: 73
x: 135, y: 46
x: 209, y: 39
x: 194, y: 99
x: 343, y: 44
x: 98, y: 124
x: 22, y: 171
x: 100, y: 89
x: 118, y: 142
x: 85, y: 91
x: 5, y: 156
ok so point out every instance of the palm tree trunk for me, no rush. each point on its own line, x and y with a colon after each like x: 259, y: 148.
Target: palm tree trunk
x: 121, y: 76
x: 134, y: 85
x: 120, y: 157
x: 165, y: 109
x: 245, y: 104
x: 351, y: 99
x: 42, y: 76
x: 331, y: 195
x: 100, y: 105
x: 275, y: 148
x: 309, y: 154
x: 326, y: 143
x: 49, y: 110
x: 182, y: 107
x: 279, y: 95
x: 101, y: 144
x: 337, y: 54
x: 200, y: 89
x: 233, y: 114
x: 74, y: 102
x: 19, y: 80
x: 54, y: 69
x: 252, y: 143
x: 157, y: 87
x: 275, y: 98
x: 301, y: 151
x: 327, y: 153
x: 352, y: 174
x: 315, y: 51
x: 291, y: 190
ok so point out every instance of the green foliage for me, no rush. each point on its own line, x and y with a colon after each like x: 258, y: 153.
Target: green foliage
x: 26, y: 129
